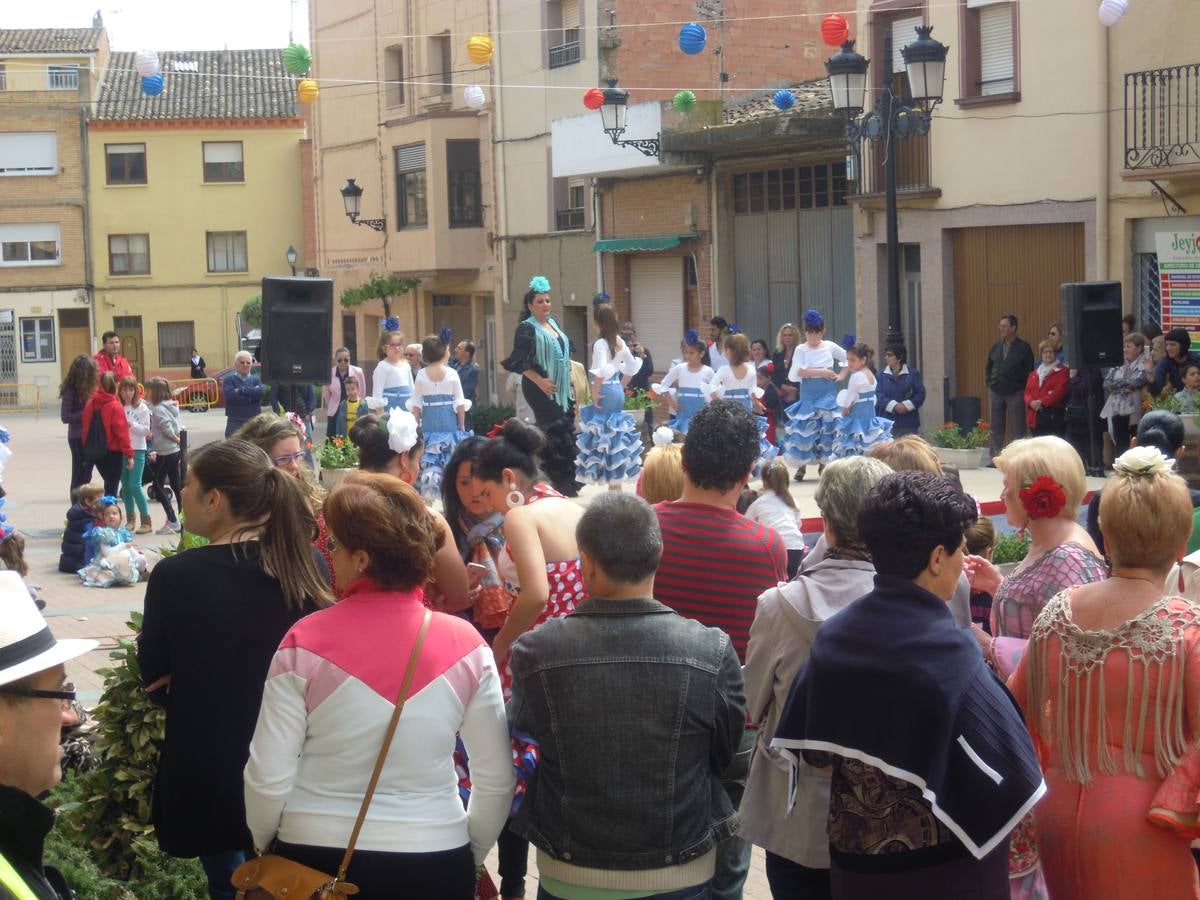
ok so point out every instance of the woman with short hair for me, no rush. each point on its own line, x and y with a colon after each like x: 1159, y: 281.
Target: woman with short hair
x: 335, y: 391
x: 899, y: 392
x: 1046, y: 394
x: 331, y: 692
x: 1123, y: 386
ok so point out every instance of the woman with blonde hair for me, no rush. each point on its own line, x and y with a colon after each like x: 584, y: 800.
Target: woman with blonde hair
x: 662, y: 471
x: 909, y: 453
x: 1110, y: 685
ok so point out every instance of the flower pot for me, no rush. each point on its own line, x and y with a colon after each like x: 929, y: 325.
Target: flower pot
x: 961, y: 459
x: 331, y: 478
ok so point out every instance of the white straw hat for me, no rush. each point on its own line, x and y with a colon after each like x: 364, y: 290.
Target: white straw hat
x: 26, y: 644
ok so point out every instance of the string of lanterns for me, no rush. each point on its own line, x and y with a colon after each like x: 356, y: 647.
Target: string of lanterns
x: 148, y: 66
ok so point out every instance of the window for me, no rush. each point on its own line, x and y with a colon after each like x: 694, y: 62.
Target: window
x: 125, y: 163
x: 393, y: 73
x: 223, y: 161
x: 817, y: 186
x: 441, y: 77
x: 129, y: 254
x: 465, y: 184
x: 62, y: 78
x: 227, y: 252
x: 988, y: 62
x: 25, y: 153
x: 29, y: 245
x: 562, y: 24
x: 37, y: 339
x: 570, y: 204
x: 411, y: 208
x: 175, y: 343
x: 3, y: 78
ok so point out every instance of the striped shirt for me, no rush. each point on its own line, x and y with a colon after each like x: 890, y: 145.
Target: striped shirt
x: 715, y: 563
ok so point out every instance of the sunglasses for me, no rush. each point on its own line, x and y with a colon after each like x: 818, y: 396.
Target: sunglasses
x: 66, y: 695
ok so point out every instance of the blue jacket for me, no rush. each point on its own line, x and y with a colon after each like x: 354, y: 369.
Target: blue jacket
x: 891, y: 388
x: 1168, y: 371
x: 243, y: 396
x: 74, y: 548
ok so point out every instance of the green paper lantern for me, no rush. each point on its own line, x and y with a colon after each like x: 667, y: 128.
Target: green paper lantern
x: 297, y: 59
x: 684, y: 101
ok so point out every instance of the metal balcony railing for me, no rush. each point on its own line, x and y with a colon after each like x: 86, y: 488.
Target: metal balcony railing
x: 564, y: 54
x: 912, y: 166
x: 63, y: 78
x: 1162, y: 117
x: 569, y: 219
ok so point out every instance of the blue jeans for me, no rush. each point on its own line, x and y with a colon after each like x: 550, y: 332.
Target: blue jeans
x: 219, y: 869
x: 733, y: 854
x: 695, y: 892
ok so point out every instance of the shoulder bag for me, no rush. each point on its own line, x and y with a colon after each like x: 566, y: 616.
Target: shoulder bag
x: 272, y: 877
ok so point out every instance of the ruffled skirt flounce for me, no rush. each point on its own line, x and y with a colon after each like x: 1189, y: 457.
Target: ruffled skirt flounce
x: 855, y: 435
x: 811, y: 430
x: 439, y: 445
x: 609, y: 447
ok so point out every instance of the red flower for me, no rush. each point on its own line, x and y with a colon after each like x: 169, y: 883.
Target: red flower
x: 1044, y: 499
x: 497, y: 428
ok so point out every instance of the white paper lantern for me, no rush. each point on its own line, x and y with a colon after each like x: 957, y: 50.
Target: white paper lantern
x: 1111, y: 11
x: 474, y: 97
x: 146, y: 63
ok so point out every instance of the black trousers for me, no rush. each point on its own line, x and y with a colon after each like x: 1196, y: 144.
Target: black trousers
x: 110, y: 471
x: 382, y: 875
x: 168, y: 468
x: 514, y: 861
x: 791, y: 881
x: 558, y: 425
x: 81, y: 470
x: 1121, y: 432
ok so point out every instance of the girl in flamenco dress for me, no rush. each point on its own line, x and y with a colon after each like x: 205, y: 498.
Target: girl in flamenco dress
x: 738, y: 380
x: 686, y: 385
x: 859, y: 429
x: 810, y: 431
x: 438, y: 403
x: 610, y: 446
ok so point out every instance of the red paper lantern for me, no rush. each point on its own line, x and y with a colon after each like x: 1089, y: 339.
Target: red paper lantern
x: 594, y: 98
x: 834, y: 30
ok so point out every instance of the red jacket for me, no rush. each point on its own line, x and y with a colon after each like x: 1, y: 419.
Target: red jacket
x: 112, y: 413
x: 118, y: 365
x: 1052, y: 392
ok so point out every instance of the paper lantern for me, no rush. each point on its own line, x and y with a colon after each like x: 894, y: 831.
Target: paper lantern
x: 152, y: 85
x: 480, y: 49
x: 1111, y: 11
x: 834, y: 30
x: 684, y: 101
x: 594, y: 98
x: 784, y: 99
x: 146, y: 63
x: 296, y: 59
x: 473, y: 96
x: 307, y: 90
x: 692, y: 38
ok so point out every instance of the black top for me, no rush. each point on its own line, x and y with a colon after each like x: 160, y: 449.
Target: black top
x: 197, y: 367
x: 524, y: 352
x: 641, y: 381
x: 782, y: 366
x: 24, y: 824
x: 213, y: 622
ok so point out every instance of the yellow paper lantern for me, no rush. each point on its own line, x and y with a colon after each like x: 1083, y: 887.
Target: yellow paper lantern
x: 480, y: 49
x: 308, y: 90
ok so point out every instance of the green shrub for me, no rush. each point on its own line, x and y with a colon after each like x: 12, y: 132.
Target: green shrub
x: 1010, y: 548
x: 486, y: 416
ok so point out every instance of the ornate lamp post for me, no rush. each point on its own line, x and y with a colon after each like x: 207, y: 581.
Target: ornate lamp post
x: 291, y: 258
x: 352, y: 198
x: 613, y: 114
x: 891, y: 118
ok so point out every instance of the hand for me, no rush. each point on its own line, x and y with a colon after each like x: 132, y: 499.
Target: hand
x: 983, y: 577
x: 829, y: 375
x: 984, y: 639
x: 129, y: 463
x: 845, y: 410
x: 153, y: 456
x: 1036, y: 404
x: 548, y: 387
x: 165, y: 681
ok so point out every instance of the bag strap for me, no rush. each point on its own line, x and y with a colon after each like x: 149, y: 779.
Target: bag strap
x: 387, y: 742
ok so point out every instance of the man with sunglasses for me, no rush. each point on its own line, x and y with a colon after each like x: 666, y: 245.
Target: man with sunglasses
x: 34, y: 693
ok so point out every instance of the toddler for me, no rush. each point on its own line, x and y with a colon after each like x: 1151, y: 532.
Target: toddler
x: 81, y: 517
x: 1189, y: 397
x: 115, y: 561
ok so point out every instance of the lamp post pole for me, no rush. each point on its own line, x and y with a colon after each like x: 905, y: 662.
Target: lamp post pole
x: 895, y: 334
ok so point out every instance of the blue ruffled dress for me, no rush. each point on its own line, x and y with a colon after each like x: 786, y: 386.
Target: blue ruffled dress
x: 860, y: 429
x: 810, y: 431
x: 439, y: 427
x: 690, y: 390
x: 610, y: 444
x: 742, y: 390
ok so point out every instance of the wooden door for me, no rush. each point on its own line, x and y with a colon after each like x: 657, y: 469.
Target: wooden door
x: 130, y: 330
x: 74, y: 336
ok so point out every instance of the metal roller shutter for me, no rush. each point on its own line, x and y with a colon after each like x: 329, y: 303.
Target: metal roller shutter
x: 656, y: 299
x: 904, y: 32
x: 995, y: 49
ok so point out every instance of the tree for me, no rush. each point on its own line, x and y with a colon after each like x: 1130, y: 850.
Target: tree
x: 252, y: 312
x: 379, y: 287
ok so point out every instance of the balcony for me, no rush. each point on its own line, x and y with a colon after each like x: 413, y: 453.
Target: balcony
x: 1162, y: 123
x: 569, y: 219
x: 564, y: 54
x: 913, y: 168
x: 62, y: 78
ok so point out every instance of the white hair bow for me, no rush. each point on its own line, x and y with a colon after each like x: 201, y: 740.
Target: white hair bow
x: 402, y: 431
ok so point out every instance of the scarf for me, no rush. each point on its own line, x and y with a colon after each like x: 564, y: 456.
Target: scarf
x: 552, y: 356
x: 1044, y: 371
x: 892, y: 682
x: 485, y: 537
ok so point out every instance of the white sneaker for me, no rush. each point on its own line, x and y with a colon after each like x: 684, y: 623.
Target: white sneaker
x: 169, y: 528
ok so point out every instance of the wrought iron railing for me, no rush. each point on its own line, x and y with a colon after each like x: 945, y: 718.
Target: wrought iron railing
x: 569, y: 219
x: 564, y: 54
x: 63, y: 78
x: 912, y: 165
x: 1162, y: 117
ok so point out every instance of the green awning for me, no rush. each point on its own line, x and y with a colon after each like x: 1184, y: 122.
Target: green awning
x: 641, y: 244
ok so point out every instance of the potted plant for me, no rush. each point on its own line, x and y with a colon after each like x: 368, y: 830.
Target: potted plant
x: 964, y: 451
x: 640, y: 406
x: 1010, y: 549
x: 337, y: 456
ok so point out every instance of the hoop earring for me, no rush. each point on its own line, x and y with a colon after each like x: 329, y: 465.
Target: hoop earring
x: 514, y: 498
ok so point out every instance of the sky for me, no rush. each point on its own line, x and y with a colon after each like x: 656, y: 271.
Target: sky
x: 169, y: 24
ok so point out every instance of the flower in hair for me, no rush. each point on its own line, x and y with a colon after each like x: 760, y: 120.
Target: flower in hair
x: 108, y: 500
x: 663, y: 436
x: 733, y: 329
x: 768, y: 367
x: 1137, y: 462
x: 375, y: 404
x: 391, y: 323
x: 402, y: 430
x: 692, y: 338
x: 814, y: 319
x: 299, y: 423
x: 539, y: 284
x: 446, y: 335
x: 1044, y: 499
x: 6, y: 531
x: 497, y: 428
x: 3, y: 435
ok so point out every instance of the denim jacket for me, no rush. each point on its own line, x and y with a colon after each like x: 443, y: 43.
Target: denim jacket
x: 638, y: 710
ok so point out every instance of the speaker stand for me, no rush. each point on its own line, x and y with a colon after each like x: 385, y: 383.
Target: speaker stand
x: 1095, y: 461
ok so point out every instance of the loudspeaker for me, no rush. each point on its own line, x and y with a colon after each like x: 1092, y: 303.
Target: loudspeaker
x: 1091, y: 315
x: 297, y: 330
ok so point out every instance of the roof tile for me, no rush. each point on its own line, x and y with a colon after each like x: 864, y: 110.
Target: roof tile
x: 811, y: 97
x: 50, y: 40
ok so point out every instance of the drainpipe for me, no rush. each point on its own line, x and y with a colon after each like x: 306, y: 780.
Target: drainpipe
x: 1102, y: 162
x: 88, y: 281
x: 500, y: 204
x: 596, y: 227
x: 713, y: 229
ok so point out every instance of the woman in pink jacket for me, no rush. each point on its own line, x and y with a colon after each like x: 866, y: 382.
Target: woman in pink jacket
x: 335, y: 393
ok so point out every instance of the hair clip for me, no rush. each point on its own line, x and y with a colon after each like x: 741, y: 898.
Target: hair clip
x: 692, y: 338
x: 497, y: 428
x: 733, y: 329
x: 539, y: 284
x: 299, y: 423
x: 108, y: 500
x: 3, y: 435
x: 391, y: 323
x: 663, y: 436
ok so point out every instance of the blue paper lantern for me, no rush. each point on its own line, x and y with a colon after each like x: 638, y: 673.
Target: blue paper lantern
x: 784, y: 99
x: 152, y: 85
x: 692, y: 38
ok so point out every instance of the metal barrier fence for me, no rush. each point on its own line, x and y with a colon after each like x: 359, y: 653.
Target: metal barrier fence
x: 195, y: 393
x: 20, y: 397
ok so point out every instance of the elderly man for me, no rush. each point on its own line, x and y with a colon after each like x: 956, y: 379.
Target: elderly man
x: 243, y: 393
x: 109, y: 359
x: 468, y: 370
x: 646, y: 807
x: 1009, y: 363
x: 33, y: 694
x: 413, y: 354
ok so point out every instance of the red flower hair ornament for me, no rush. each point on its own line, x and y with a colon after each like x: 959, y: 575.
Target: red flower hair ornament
x: 1044, y: 499
x: 497, y: 428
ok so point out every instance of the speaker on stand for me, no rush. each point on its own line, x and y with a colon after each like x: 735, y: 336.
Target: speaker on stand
x: 1091, y: 315
x: 297, y: 335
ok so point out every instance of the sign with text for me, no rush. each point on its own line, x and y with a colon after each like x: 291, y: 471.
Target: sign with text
x: 1179, y: 280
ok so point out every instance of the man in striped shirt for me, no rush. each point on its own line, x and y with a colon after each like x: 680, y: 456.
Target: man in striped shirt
x: 715, y: 563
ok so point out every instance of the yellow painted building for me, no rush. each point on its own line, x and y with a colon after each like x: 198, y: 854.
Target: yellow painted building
x: 195, y: 196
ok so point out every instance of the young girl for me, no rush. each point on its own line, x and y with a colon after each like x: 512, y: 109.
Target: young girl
x: 115, y: 561
x: 859, y: 429
x: 392, y: 383
x: 776, y: 508
x: 610, y: 447
x: 138, y: 416
x: 809, y: 435
x: 12, y: 558
x: 686, y: 384
x: 166, y: 437
x: 738, y: 380
x: 981, y: 541
x: 81, y: 517
x: 440, y: 408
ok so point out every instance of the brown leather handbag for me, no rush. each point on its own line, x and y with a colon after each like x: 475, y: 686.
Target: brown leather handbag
x: 271, y: 877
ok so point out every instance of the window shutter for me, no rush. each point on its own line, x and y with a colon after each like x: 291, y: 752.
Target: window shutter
x: 111, y: 149
x: 29, y: 231
x: 995, y: 49
x: 410, y: 158
x: 222, y: 152
x: 903, y: 33
x: 570, y: 15
x: 976, y: 4
x: 28, y: 154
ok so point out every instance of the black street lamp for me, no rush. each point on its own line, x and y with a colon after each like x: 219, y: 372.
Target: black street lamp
x: 291, y: 258
x: 612, y: 115
x: 925, y: 65
x: 352, y: 198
